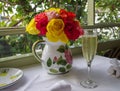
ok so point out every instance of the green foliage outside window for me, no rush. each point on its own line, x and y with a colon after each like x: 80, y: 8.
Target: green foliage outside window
x: 108, y: 11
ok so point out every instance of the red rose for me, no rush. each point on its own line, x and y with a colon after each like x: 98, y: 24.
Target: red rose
x: 71, y: 15
x: 63, y: 13
x: 40, y: 16
x: 41, y: 23
x: 72, y: 29
x: 66, y: 15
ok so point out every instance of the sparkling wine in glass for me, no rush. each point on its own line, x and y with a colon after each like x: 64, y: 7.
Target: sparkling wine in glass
x: 89, y: 47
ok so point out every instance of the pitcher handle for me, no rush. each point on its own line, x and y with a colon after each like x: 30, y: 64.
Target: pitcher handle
x: 37, y: 49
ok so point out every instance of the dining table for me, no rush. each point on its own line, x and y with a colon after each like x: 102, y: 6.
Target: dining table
x: 35, y: 77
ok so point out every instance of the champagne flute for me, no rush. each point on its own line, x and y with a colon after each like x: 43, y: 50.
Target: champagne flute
x: 89, y: 47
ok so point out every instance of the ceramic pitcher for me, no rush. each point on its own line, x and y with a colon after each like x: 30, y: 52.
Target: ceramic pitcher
x: 56, y: 57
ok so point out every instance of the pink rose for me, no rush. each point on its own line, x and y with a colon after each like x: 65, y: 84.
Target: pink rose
x: 55, y: 59
x: 68, y: 56
x: 52, y: 15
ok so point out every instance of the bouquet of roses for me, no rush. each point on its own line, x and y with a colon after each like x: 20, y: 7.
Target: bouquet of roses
x: 56, y: 25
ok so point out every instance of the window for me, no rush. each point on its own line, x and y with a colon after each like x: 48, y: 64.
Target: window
x: 17, y: 42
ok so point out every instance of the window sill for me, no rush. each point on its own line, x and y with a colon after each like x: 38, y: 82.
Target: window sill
x: 28, y: 59
x: 18, y: 61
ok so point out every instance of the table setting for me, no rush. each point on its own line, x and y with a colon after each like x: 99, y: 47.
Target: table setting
x: 36, y: 78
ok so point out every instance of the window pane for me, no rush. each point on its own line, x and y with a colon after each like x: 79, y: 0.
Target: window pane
x: 16, y: 44
x: 107, y: 11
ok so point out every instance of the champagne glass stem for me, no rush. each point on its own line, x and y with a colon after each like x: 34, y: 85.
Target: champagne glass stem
x: 89, y: 83
x: 89, y: 71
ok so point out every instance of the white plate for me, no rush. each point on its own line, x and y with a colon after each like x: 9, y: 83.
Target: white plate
x: 9, y: 76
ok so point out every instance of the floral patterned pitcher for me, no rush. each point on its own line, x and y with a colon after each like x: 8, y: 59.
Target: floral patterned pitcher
x: 55, y: 57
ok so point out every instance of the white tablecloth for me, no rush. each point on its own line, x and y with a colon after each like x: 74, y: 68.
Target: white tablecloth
x: 36, y: 79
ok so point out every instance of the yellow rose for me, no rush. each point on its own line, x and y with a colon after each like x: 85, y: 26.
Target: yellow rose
x: 62, y: 38
x: 55, y: 26
x: 31, y: 28
x: 55, y: 31
x: 51, y: 38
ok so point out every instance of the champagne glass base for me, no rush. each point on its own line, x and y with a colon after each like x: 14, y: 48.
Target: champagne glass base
x: 88, y: 84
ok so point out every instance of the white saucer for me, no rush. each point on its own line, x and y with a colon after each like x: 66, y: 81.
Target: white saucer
x: 9, y: 76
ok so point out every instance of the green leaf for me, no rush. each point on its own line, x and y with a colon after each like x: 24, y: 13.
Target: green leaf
x: 62, y: 69
x: 61, y: 49
x: 69, y: 1
x: 10, y: 9
x: 53, y: 70
x: 69, y: 66
x: 49, y: 62
x: 61, y: 61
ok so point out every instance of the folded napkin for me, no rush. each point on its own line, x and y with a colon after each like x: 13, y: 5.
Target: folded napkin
x: 61, y: 86
x: 114, y: 69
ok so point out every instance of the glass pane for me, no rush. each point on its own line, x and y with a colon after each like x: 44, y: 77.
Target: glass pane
x: 107, y: 11
x: 105, y: 34
x: 16, y: 44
